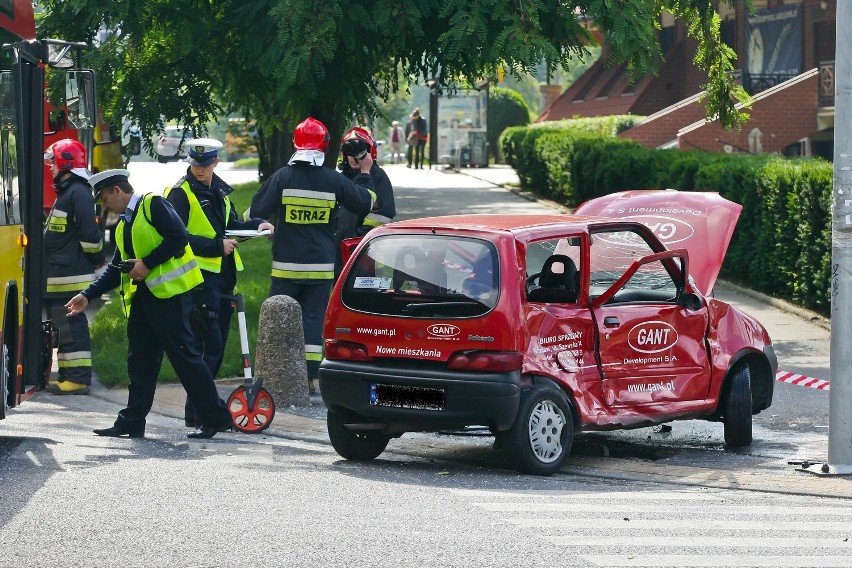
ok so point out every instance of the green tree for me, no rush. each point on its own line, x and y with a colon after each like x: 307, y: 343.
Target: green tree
x: 277, y: 61
x: 505, y: 108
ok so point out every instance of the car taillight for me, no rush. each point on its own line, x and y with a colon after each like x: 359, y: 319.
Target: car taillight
x: 495, y: 361
x: 345, y: 351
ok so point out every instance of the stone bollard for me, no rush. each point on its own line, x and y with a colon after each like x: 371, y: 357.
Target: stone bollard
x: 280, y: 359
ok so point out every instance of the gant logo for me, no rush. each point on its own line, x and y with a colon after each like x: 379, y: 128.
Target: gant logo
x: 652, y: 337
x: 443, y: 330
x: 667, y: 229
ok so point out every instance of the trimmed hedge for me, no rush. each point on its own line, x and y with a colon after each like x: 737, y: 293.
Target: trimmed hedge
x: 506, y: 108
x: 782, y: 244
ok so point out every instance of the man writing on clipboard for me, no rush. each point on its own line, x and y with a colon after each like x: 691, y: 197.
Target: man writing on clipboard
x: 200, y: 199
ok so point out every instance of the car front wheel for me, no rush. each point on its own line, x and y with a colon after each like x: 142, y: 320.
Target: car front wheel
x: 356, y: 445
x: 738, y: 408
x: 540, y: 439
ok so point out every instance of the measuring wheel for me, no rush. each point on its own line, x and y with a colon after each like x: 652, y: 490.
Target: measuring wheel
x: 251, y: 409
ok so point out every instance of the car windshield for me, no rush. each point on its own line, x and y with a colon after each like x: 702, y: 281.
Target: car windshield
x: 175, y: 133
x: 424, y: 276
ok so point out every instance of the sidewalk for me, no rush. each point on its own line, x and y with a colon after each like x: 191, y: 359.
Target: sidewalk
x: 308, y: 423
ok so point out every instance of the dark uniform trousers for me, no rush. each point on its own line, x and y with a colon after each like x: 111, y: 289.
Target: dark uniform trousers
x: 313, y: 299
x: 156, y: 325
x: 75, y: 347
x: 215, y: 294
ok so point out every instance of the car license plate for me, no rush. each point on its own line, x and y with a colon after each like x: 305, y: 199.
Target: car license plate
x: 404, y: 396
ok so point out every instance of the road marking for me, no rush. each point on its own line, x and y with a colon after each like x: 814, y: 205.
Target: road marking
x: 730, y: 511
x: 717, y: 561
x: 677, y: 529
x: 801, y: 380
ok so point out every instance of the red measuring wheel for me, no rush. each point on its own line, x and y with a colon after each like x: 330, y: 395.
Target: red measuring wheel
x: 251, y: 418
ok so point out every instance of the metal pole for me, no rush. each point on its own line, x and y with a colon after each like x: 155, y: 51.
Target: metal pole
x: 840, y: 401
x: 433, y: 125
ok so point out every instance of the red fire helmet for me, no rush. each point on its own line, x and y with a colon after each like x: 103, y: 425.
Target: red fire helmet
x: 311, y: 134
x: 67, y: 154
x: 354, y: 141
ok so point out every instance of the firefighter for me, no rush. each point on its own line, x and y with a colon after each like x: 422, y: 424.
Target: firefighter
x: 155, y: 271
x: 73, y: 245
x: 200, y: 199
x: 355, y: 144
x: 301, y: 200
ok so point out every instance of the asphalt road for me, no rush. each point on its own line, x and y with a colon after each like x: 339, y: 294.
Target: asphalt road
x: 69, y: 498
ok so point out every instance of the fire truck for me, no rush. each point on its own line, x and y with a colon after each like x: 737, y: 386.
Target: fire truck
x: 29, y: 121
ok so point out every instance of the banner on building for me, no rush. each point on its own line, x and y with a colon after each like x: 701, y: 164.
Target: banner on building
x: 774, y: 41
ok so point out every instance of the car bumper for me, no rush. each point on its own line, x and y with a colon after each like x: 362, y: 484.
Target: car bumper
x: 489, y: 399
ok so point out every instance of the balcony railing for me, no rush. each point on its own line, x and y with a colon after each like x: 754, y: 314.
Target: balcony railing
x: 826, y: 83
x: 754, y: 84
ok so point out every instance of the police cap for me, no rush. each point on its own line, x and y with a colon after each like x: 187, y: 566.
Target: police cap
x: 202, y: 151
x: 107, y: 178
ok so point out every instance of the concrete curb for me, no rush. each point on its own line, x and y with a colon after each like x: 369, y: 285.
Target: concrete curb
x: 805, y: 314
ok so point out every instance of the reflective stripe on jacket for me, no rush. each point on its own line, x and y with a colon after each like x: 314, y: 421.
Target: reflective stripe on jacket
x: 72, y: 240
x: 175, y: 276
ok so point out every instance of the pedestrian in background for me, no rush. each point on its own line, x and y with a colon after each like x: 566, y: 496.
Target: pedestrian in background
x: 200, y: 199
x: 73, y: 244
x: 396, y: 136
x: 301, y: 200
x: 355, y: 145
x: 416, y: 134
x: 155, y: 270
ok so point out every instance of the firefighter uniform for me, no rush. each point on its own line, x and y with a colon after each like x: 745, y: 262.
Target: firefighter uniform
x: 158, y: 310
x: 73, y: 245
x: 301, y: 200
x: 352, y: 225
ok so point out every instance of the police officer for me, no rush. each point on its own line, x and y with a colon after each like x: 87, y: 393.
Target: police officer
x: 200, y: 199
x: 155, y: 270
x: 356, y: 143
x: 73, y: 245
x: 303, y: 197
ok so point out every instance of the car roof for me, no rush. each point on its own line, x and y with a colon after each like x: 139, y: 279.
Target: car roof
x: 496, y: 222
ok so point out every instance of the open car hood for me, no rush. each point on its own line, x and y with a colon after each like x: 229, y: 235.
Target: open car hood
x: 700, y: 222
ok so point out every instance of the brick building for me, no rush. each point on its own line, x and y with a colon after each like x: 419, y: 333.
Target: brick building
x: 785, y: 60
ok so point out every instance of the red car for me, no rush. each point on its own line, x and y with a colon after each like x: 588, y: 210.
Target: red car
x: 540, y: 327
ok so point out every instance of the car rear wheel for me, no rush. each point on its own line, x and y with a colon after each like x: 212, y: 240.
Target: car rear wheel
x: 738, y: 408
x: 356, y: 445
x: 540, y: 439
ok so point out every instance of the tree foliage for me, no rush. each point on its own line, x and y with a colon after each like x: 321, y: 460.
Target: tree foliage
x: 277, y: 61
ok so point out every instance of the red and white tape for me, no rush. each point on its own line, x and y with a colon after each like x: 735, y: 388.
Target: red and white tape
x: 801, y: 380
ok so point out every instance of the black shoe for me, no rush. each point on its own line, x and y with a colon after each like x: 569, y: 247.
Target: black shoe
x: 205, y: 431
x: 120, y: 431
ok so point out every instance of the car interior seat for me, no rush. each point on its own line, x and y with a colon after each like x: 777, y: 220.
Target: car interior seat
x: 559, y: 281
x: 480, y: 283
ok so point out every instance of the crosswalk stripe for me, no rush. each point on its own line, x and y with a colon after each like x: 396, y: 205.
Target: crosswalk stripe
x: 669, y: 510
x: 596, y: 495
x: 689, y: 525
x: 683, y: 528
x: 717, y: 561
x: 703, y: 542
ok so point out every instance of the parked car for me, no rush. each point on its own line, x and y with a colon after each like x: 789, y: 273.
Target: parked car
x: 540, y: 327
x: 171, y: 145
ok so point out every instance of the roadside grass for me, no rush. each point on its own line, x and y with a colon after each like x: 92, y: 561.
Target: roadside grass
x: 247, y: 163
x: 109, y: 328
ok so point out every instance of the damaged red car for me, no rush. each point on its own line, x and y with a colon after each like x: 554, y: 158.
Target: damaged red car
x: 541, y: 327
